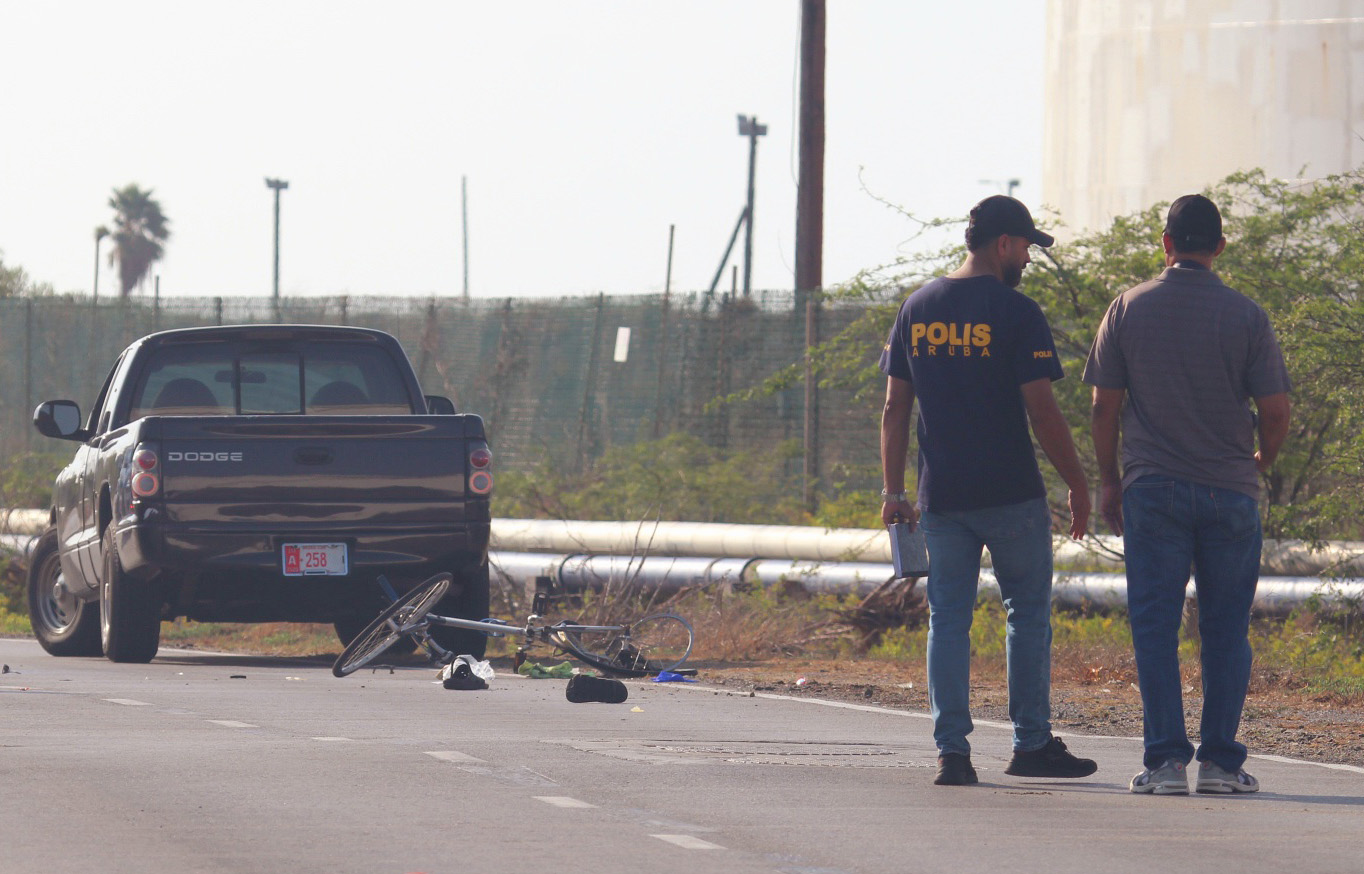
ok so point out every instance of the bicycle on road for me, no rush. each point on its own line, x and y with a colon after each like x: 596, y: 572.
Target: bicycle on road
x: 653, y: 643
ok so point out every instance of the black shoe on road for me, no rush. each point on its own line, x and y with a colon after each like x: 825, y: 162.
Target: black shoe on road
x: 954, y: 769
x: 582, y: 689
x: 1052, y: 760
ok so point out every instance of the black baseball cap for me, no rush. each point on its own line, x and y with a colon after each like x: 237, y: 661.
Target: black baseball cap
x: 998, y: 215
x: 1194, y: 224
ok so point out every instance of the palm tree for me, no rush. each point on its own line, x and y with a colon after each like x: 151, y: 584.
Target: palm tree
x: 139, y: 231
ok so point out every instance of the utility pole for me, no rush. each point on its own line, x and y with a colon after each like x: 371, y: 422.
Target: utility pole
x: 749, y: 127
x: 278, y: 185
x: 810, y: 220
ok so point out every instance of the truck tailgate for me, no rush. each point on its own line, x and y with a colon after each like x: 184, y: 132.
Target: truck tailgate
x: 272, y: 469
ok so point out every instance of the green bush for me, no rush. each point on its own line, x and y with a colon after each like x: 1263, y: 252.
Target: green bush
x: 26, y: 483
x: 13, y: 584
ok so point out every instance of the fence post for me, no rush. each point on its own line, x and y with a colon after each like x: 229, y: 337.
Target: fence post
x: 428, y: 340
x: 503, y: 370
x: 811, y: 465
x: 661, y: 348
x: 217, y: 311
x: 96, y: 352
x: 584, y: 420
x: 28, y: 367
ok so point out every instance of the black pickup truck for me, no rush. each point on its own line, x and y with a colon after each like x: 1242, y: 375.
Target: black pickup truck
x: 257, y: 473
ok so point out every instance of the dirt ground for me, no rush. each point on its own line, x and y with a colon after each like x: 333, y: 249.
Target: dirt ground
x: 1277, y: 723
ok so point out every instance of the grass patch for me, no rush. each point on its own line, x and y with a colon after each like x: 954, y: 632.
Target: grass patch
x: 14, y: 624
x: 265, y: 638
x: 1321, y: 652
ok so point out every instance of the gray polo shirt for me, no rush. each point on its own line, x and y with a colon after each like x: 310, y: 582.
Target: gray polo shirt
x: 1191, y: 353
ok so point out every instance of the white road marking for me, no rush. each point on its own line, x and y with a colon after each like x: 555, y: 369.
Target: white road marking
x: 562, y: 801
x: 232, y: 723
x: 332, y: 738
x: 128, y: 702
x: 1354, y: 769
x: 688, y: 842
x: 452, y: 756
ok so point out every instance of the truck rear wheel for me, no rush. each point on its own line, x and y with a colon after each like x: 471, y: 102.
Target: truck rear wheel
x: 129, y: 614
x: 471, y: 602
x: 64, y: 624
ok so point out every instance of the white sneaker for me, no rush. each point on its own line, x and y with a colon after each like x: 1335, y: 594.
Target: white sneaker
x: 1168, y: 779
x: 1214, y: 778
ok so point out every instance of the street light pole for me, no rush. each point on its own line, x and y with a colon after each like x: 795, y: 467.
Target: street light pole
x: 749, y: 127
x: 277, y: 185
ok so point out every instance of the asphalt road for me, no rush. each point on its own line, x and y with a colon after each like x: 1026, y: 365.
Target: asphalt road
x: 218, y: 763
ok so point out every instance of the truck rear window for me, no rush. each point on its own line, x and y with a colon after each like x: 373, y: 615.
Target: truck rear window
x: 325, y: 379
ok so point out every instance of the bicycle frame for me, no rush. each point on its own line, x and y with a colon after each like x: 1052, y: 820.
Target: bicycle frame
x: 624, y: 648
x: 530, y: 634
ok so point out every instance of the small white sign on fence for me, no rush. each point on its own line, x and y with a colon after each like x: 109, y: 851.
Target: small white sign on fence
x: 622, y: 344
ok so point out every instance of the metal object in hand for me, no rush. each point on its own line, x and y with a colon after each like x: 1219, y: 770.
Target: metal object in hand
x: 908, y: 552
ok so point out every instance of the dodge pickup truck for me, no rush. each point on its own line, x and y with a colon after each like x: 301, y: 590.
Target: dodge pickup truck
x: 257, y: 473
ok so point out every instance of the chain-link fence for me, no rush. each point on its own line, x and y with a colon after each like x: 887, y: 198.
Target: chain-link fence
x: 558, y: 379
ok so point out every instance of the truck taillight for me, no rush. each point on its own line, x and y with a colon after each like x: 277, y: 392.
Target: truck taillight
x: 146, y: 481
x: 480, y: 478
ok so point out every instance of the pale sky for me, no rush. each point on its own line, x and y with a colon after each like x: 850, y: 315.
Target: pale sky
x: 584, y: 129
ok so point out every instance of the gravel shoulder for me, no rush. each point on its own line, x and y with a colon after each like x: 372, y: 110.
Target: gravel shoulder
x: 1282, y: 723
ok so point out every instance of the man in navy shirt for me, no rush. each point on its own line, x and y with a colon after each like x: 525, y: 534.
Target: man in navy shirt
x: 978, y: 355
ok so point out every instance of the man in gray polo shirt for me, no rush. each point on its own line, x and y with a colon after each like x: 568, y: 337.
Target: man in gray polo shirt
x: 1189, y: 354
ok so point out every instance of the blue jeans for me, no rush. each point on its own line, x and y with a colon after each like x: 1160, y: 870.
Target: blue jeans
x: 1019, y: 539
x: 1169, y: 525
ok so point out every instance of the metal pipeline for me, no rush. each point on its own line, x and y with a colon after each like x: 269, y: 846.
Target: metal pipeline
x: 580, y: 572
x: 809, y: 543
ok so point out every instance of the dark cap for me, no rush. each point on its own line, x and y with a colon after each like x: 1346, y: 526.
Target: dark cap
x: 998, y: 215
x: 1194, y: 224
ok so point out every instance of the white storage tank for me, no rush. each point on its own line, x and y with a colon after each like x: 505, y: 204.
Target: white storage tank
x: 1147, y: 100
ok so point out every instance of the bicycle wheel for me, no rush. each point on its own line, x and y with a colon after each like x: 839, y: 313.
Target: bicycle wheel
x: 660, y: 642
x: 390, y: 626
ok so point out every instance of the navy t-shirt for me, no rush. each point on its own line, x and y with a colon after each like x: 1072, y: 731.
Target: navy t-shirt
x: 967, y: 345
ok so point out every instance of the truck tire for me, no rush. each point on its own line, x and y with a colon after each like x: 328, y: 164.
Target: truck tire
x: 64, y: 624
x: 471, y: 602
x: 129, y: 614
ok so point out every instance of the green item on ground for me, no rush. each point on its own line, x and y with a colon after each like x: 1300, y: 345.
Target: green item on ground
x: 537, y: 671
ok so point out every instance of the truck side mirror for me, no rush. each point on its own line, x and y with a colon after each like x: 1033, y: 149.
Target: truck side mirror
x: 439, y: 406
x: 59, y: 419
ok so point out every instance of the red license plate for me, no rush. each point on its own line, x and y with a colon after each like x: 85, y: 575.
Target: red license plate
x: 320, y: 559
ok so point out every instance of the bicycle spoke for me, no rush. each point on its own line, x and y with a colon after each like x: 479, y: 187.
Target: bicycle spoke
x: 407, y: 615
x: 655, y: 643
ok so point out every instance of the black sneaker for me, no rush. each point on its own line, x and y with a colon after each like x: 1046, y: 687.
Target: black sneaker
x: 583, y: 689
x: 1052, y: 760
x: 954, y: 769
